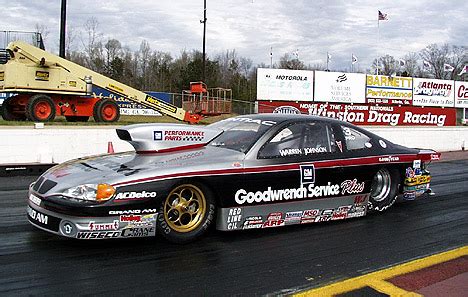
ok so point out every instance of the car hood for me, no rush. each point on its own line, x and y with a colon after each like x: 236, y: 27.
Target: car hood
x: 119, y: 168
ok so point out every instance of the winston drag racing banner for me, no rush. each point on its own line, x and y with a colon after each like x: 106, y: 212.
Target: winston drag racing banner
x: 461, y: 94
x: 339, y: 87
x: 286, y: 85
x: 360, y: 114
x: 382, y: 89
x: 433, y: 92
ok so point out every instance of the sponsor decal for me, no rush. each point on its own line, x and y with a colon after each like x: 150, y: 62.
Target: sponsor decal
x: 287, y: 110
x: 435, y: 157
x: 254, y: 222
x: 130, y: 218
x: 138, y: 232
x: 341, y: 213
x: 307, y: 174
x: 303, y: 192
x: 129, y: 232
x: 134, y: 195
x: 98, y: 235
x: 382, y: 143
x: 2, y: 76
x: 339, y: 145
x: 72, y: 83
x: 417, y: 180
x: 249, y: 120
x: 352, y: 187
x: 273, y: 223
x: 274, y: 216
x: 416, y: 164
x: 234, y: 217
x: 178, y: 135
x: 360, y: 200
x: 115, y: 88
x: 37, y: 216
x: 302, y: 151
x: 158, y: 104
x: 293, y: 216
x: 389, y: 159
x: 132, y: 211
x: 382, y: 115
x: 34, y: 199
x: 103, y: 226
x: 42, y: 75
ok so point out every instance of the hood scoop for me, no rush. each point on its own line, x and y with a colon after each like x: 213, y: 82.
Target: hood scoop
x: 160, y: 138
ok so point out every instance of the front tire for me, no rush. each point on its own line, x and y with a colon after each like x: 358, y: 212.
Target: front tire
x: 186, y: 213
x: 384, y: 189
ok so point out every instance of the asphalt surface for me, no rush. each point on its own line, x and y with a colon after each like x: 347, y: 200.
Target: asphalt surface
x: 256, y: 262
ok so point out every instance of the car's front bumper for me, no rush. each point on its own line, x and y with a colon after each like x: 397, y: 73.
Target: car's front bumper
x: 123, y: 224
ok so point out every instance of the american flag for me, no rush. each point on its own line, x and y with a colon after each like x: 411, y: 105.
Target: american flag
x: 426, y: 64
x: 383, y: 16
x: 464, y: 70
x: 448, y: 68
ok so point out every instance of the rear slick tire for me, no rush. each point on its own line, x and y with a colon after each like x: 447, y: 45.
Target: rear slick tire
x: 384, y: 190
x: 186, y: 213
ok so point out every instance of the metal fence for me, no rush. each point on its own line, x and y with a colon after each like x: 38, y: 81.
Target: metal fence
x: 33, y: 38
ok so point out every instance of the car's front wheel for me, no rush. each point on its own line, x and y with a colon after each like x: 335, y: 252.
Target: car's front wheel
x: 384, y: 189
x: 186, y: 213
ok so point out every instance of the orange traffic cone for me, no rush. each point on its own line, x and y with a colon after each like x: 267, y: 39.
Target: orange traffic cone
x: 110, y: 148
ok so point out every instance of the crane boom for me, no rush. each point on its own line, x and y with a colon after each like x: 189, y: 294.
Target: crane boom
x: 34, y: 70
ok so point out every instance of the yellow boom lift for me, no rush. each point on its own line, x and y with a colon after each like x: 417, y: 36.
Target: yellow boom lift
x: 47, y: 85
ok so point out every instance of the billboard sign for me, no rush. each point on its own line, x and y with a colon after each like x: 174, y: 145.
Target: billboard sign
x: 433, y: 92
x: 285, y: 85
x: 339, y: 87
x: 461, y: 94
x: 381, y: 89
x: 360, y: 114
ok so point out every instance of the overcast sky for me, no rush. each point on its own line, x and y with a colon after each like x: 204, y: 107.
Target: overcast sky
x: 252, y: 27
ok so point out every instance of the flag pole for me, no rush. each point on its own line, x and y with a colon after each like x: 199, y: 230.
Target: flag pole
x: 378, y: 42
x: 352, y: 64
x: 327, y: 61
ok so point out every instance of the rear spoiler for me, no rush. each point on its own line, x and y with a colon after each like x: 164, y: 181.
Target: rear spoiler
x: 428, y: 155
x: 161, y: 138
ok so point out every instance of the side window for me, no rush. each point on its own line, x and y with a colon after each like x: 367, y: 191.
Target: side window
x: 355, y: 140
x: 302, y: 139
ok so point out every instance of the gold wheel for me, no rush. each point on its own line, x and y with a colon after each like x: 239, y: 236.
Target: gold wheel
x: 184, y: 208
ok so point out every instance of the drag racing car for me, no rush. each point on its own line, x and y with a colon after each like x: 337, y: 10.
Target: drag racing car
x: 246, y: 172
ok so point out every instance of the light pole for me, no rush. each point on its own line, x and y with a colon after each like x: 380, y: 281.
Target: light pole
x: 63, y: 17
x: 204, y: 37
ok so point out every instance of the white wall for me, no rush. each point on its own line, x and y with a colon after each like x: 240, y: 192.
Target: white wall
x: 22, y: 145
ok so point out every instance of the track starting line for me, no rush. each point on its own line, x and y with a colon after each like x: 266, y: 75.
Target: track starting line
x: 443, y: 274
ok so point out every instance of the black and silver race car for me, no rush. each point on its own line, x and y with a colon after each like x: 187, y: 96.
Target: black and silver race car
x: 246, y: 172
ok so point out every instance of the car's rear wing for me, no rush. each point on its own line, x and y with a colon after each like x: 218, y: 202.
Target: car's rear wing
x: 159, y: 138
x: 426, y: 155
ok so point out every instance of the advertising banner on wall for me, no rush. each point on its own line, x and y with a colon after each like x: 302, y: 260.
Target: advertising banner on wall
x: 433, y: 92
x: 461, y: 94
x: 339, y: 87
x: 360, y: 114
x: 286, y: 85
x: 381, y: 89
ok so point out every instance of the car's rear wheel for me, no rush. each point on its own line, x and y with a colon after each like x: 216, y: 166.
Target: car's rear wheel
x: 186, y: 213
x: 384, y: 189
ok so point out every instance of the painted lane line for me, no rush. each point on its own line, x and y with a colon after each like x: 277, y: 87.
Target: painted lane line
x: 377, y: 279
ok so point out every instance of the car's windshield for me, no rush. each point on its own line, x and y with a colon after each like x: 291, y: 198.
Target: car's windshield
x: 239, y: 133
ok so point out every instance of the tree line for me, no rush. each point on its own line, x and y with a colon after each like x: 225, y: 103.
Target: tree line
x: 149, y: 69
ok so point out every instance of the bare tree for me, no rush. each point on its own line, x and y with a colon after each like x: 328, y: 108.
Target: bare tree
x: 386, y: 64
x: 288, y: 61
